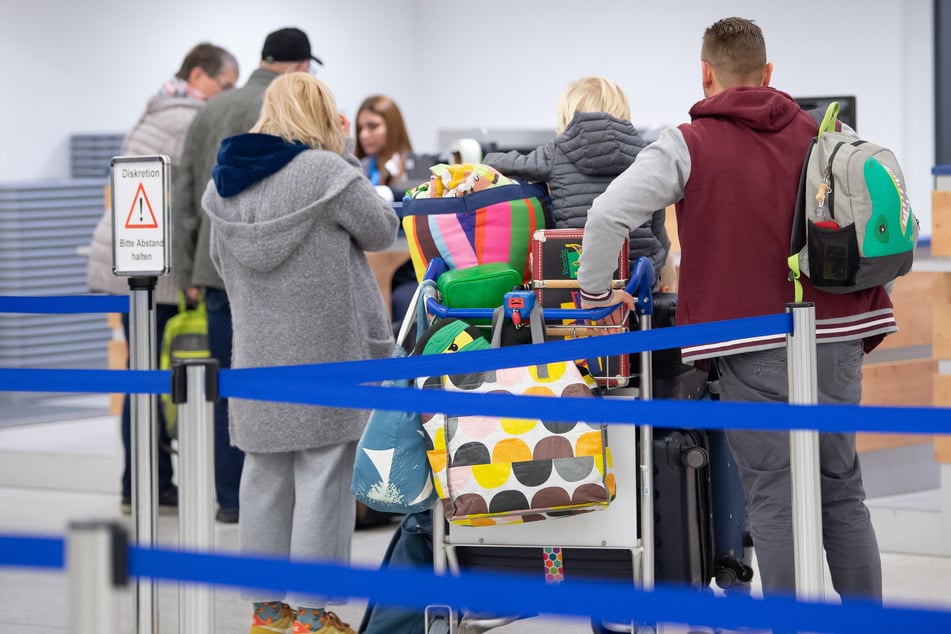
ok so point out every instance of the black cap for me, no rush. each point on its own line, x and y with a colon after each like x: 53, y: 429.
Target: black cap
x: 287, y: 45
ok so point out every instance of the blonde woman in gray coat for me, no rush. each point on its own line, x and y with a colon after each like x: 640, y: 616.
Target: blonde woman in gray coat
x: 291, y: 216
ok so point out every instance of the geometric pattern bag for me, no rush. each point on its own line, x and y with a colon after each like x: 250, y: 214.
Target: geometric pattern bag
x: 492, y: 470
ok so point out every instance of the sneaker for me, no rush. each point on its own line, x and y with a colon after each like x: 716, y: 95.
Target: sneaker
x: 283, y: 624
x: 167, y: 502
x: 227, y: 516
x: 330, y: 623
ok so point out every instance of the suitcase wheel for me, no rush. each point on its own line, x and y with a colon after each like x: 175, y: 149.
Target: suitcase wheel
x: 695, y: 457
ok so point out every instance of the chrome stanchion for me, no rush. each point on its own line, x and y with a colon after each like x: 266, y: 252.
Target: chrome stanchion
x: 804, y: 455
x: 144, y: 444
x: 647, y: 468
x: 96, y: 564
x: 194, y: 390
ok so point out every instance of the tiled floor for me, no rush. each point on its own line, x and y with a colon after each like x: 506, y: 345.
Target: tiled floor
x: 53, y: 473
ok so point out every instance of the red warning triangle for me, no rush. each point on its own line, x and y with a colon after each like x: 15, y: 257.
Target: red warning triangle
x: 141, y: 215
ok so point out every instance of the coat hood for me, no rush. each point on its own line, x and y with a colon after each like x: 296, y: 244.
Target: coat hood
x: 263, y: 225
x: 761, y: 109
x: 245, y: 159
x: 600, y: 145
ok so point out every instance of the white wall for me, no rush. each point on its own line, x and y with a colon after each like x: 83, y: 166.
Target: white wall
x: 497, y: 64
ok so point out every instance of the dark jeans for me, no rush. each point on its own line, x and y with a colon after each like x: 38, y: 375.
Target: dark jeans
x: 163, y: 312
x: 410, y: 547
x: 228, y: 459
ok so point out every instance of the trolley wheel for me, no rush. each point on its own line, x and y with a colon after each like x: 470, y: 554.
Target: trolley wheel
x: 696, y: 457
x: 725, y: 578
x: 728, y: 572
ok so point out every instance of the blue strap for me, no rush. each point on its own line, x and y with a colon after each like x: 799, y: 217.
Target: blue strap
x: 64, y: 304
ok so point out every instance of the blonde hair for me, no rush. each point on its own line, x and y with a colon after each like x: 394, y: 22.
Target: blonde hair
x: 592, y: 94
x: 299, y: 107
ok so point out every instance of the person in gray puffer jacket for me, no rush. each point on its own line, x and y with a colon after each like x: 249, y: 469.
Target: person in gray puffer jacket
x: 596, y: 141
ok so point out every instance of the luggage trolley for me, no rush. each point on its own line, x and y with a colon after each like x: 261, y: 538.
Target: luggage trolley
x: 603, y: 544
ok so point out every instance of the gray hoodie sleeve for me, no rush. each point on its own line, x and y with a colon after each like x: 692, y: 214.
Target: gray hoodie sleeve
x: 655, y: 180
x: 534, y: 166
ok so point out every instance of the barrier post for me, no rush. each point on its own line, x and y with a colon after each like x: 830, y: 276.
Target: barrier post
x: 144, y: 441
x: 96, y: 564
x: 646, y: 432
x: 194, y: 390
x: 804, y: 455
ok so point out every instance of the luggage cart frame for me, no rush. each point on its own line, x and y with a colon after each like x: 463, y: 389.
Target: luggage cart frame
x: 632, y: 507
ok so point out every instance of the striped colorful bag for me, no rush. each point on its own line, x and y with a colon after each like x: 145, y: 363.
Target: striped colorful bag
x: 492, y: 225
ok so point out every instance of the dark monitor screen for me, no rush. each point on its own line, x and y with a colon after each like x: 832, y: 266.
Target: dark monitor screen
x: 846, y: 107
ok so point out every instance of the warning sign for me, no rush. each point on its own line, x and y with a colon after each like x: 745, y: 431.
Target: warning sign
x: 140, y: 215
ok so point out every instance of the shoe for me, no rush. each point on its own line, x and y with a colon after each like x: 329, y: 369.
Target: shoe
x: 167, y: 502
x: 330, y: 623
x: 227, y: 516
x: 281, y: 625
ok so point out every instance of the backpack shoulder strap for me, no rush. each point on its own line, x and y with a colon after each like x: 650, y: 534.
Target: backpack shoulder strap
x: 829, y: 121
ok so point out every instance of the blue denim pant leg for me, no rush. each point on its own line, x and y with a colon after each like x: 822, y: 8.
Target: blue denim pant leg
x: 163, y: 312
x: 228, y: 459
x: 410, y: 547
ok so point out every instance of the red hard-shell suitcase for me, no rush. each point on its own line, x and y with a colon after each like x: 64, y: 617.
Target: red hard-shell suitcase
x: 554, y: 265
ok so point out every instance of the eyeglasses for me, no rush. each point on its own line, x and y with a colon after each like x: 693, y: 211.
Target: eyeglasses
x: 221, y: 84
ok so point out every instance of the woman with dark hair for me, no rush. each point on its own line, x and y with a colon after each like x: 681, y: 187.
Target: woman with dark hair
x: 383, y: 144
x: 385, y: 151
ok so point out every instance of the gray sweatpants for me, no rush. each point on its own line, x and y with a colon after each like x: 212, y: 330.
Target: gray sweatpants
x: 763, y: 461
x: 298, y: 504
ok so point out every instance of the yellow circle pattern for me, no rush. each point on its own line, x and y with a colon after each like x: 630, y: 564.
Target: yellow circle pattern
x: 590, y: 444
x: 517, y: 426
x: 490, y: 476
x: 511, y: 450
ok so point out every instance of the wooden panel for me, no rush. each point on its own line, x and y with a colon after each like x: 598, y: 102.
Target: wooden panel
x: 671, y: 225
x: 384, y: 265
x: 873, y: 442
x: 669, y: 274
x: 941, y: 316
x: 906, y: 383
x: 941, y: 223
x: 942, y: 398
x: 942, y: 449
x: 912, y: 299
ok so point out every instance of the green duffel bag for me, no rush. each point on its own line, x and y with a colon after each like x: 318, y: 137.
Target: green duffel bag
x: 479, y: 286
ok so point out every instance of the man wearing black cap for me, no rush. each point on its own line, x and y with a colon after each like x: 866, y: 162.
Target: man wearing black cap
x: 232, y: 112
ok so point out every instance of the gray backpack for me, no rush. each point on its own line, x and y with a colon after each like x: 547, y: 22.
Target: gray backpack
x: 853, y: 227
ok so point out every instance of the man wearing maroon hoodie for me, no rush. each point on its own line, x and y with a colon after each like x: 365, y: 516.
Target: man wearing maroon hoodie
x: 733, y: 172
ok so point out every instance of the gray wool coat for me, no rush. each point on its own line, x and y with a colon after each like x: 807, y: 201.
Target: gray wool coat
x: 578, y: 166
x: 290, y: 249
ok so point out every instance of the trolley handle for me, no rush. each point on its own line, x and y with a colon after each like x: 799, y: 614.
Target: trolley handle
x: 639, y: 286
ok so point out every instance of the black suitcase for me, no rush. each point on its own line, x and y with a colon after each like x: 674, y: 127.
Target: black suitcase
x: 683, y: 511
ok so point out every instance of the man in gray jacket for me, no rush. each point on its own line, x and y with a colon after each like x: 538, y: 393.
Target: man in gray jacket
x: 285, y: 50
